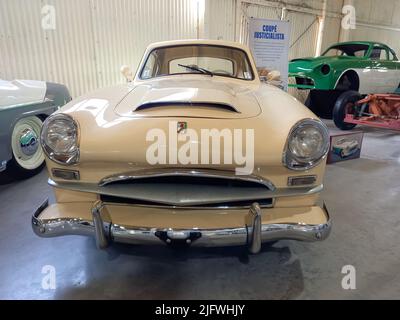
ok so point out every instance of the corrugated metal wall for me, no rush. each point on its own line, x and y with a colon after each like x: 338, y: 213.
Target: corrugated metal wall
x: 382, y: 22
x: 371, y: 33
x: 123, y: 29
x: 220, y: 19
x: 64, y: 55
x: 92, y: 39
x: 250, y: 10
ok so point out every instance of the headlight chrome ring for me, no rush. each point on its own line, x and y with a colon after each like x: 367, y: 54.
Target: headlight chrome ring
x: 59, y: 138
x: 307, y: 145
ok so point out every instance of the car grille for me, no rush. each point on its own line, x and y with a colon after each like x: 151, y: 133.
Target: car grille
x: 187, y: 188
x: 304, y: 81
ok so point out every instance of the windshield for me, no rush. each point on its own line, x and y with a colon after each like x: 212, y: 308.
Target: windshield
x: 352, y: 50
x: 197, y: 59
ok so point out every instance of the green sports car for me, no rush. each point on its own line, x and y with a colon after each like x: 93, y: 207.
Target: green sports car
x: 362, y: 66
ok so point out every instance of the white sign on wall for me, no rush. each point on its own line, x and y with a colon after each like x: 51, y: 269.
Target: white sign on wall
x: 269, y: 42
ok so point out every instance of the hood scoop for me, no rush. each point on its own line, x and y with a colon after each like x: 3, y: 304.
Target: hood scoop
x: 302, y: 59
x: 190, y: 97
x: 187, y: 105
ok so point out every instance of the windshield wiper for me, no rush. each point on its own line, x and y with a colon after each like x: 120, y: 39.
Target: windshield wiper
x: 196, y: 68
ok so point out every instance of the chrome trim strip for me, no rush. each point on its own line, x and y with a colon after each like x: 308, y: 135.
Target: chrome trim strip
x: 94, y: 188
x: 208, y: 237
x: 199, y: 207
x: 206, y: 173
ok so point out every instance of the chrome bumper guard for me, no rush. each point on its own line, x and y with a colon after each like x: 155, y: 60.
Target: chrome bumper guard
x: 3, y: 165
x: 252, y: 234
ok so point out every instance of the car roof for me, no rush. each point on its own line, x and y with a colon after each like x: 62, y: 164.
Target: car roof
x: 197, y: 41
x: 369, y: 43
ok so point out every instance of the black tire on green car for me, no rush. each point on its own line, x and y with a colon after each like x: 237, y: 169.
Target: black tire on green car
x: 345, y: 101
x: 28, y: 157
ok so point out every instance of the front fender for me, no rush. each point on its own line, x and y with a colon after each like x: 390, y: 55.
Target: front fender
x: 58, y: 93
x: 320, y: 81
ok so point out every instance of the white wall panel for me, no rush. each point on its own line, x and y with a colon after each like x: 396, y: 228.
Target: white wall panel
x: 92, y: 39
x: 303, y: 35
x: 123, y: 29
x: 257, y: 11
x: 220, y: 19
x: 64, y: 55
x: 331, y: 32
x: 388, y: 37
x: 386, y: 12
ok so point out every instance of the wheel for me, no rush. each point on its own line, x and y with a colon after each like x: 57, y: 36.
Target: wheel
x: 28, y: 157
x: 345, y: 103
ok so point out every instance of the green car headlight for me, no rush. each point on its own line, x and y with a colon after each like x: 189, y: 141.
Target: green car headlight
x: 325, y: 69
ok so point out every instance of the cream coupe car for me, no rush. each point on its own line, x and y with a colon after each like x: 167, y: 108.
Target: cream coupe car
x: 195, y: 150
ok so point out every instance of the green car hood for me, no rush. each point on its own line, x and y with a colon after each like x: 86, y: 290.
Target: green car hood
x: 307, y: 64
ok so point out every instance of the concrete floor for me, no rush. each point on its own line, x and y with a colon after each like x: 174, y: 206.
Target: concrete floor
x: 362, y: 196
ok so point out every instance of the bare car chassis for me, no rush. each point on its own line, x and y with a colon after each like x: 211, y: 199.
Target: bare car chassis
x: 374, y: 110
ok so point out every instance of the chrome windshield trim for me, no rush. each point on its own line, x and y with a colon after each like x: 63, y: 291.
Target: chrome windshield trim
x: 207, y: 173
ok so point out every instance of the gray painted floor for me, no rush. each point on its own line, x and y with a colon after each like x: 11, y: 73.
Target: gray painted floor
x: 362, y: 196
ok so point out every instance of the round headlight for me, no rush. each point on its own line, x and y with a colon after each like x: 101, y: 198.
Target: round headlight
x: 59, y: 139
x: 307, y: 144
x: 325, y: 69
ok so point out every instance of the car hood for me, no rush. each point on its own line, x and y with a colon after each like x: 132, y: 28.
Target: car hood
x: 19, y: 92
x: 123, y: 140
x: 194, y: 97
x: 309, y: 63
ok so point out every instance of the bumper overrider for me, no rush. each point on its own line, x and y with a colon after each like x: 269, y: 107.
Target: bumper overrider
x: 3, y: 165
x: 252, y: 234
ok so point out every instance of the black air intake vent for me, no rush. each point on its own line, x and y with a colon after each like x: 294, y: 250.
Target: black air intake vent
x: 220, y: 106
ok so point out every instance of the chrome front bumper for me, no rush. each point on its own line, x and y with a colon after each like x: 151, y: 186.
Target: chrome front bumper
x: 252, y: 234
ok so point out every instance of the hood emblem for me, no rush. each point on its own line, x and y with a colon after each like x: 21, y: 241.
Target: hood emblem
x: 181, y: 127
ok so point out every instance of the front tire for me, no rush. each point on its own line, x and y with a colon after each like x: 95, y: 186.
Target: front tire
x: 342, y: 105
x: 28, y: 157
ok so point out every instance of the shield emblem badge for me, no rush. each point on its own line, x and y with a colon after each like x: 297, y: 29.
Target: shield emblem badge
x: 181, y: 127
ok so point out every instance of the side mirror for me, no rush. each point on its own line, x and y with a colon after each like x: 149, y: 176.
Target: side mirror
x: 127, y: 73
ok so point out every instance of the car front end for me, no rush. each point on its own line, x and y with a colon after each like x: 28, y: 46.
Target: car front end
x: 130, y: 164
x: 116, y: 197
x: 312, y: 73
